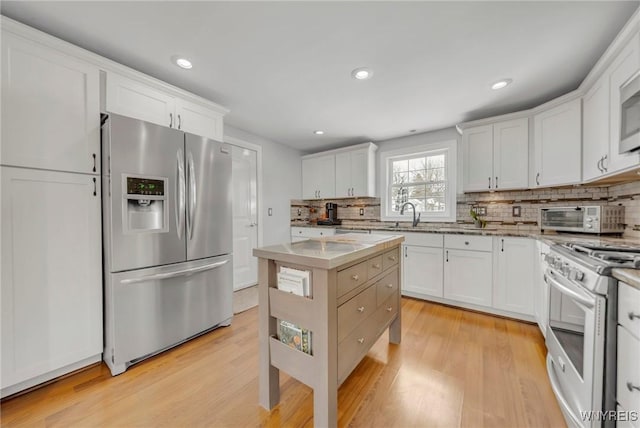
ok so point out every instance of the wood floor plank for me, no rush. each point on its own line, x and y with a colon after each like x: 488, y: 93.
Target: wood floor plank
x: 453, y: 368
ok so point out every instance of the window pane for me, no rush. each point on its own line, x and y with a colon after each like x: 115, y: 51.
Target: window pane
x: 436, y: 190
x: 434, y: 204
x: 435, y: 161
x: 399, y: 195
x: 417, y: 192
x: 400, y: 178
x: 417, y: 176
x: 400, y: 166
x: 417, y: 163
x: 436, y: 174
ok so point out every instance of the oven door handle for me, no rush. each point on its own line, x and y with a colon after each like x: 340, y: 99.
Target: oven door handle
x: 585, y: 301
x: 555, y: 386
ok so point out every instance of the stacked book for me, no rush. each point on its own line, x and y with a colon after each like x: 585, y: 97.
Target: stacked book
x: 297, y: 282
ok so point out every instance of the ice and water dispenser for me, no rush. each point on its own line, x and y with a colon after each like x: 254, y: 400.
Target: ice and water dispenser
x: 145, y: 205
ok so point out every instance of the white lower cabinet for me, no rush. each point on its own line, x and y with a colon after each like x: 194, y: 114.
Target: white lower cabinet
x: 468, y: 269
x: 515, y: 272
x: 51, y: 287
x: 422, y: 271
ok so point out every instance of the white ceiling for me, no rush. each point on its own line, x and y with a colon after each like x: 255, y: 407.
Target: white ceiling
x: 283, y: 68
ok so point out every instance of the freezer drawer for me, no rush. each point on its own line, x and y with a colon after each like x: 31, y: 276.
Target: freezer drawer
x: 149, y: 310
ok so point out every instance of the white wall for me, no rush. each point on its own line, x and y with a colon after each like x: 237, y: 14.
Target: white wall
x: 281, y: 182
x: 420, y: 140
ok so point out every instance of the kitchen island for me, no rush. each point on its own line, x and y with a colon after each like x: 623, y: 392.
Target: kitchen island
x: 353, y: 296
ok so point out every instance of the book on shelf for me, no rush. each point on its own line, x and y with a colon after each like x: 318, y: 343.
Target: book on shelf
x: 294, y: 281
x: 294, y: 336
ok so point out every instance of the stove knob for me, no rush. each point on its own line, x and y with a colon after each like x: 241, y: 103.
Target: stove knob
x: 589, y: 219
x: 548, y: 258
x: 589, y: 226
x: 576, y: 275
x: 565, y: 269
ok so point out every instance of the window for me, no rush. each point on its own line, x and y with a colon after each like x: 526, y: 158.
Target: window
x: 423, y: 176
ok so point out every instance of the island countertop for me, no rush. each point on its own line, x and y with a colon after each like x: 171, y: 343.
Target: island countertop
x: 329, y: 252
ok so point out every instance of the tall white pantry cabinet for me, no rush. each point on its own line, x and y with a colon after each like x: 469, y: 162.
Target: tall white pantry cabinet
x: 51, y: 289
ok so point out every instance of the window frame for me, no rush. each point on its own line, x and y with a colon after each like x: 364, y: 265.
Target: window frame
x: 449, y: 149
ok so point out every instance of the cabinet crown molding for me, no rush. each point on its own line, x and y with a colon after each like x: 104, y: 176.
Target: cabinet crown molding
x: 369, y: 146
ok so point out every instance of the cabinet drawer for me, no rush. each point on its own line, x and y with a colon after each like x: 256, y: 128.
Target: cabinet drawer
x: 356, y: 310
x: 424, y: 239
x: 311, y: 232
x: 628, y: 370
x: 629, y: 308
x: 390, y: 258
x: 374, y: 266
x: 353, y: 347
x: 387, y: 311
x: 387, y: 286
x: 352, y: 277
x: 466, y: 242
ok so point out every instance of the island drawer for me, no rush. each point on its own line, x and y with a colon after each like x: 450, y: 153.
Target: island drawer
x: 352, y: 277
x: 387, y: 311
x: 374, y: 266
x: 390, y: 258
x: 356, y: 310
x: 629, y: 309
x: 466, y: 242
x: 387, y: 286
x: 353, y: 347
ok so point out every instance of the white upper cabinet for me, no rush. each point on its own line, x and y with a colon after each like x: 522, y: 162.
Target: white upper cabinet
x: 133, y: 98
x: 515, y: 267
x: 595, y: 129
x: 318, y: 177
x: 623, y: 67
x: 340, y: 173
x: 50, y: 108
x: 497, y: 156
x: 557, y: 145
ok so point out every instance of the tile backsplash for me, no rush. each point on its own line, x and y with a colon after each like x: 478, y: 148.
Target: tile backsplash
x: 499, y: 205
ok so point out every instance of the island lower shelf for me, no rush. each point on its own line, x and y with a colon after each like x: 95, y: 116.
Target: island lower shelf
x: 350, y: 307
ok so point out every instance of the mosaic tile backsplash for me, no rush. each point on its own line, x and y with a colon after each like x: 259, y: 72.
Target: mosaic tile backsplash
x: 499, y: 206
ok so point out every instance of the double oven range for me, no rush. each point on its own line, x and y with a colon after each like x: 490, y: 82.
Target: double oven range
x: 581, y: 334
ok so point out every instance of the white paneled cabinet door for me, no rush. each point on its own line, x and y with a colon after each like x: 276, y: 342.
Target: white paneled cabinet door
x: 130, y: 98
x: 51, y: 272
x: 309, y: 179
x: 595, y: 129
x: 624, y: 66
x: 50, y: 108
x: 359, y: 173
x: 422, y: 271
x: 468, y: 276
x: 511, y: 154
x: 199, y: 120
x: 478, y: 158
x: 318, y: 177
x: 343, y: 175
x: 558, y: 145
x: 515, y: 272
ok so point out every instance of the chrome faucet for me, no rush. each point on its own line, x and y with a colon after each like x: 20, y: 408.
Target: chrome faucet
x: 415, y: 220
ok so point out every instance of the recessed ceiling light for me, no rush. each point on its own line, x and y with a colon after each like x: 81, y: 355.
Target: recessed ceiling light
x: 318, y: 132
x: 183, y: 63
x: 501, y: 84
x: 362, y: 73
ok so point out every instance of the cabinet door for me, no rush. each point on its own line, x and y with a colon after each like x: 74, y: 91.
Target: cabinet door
x: 343, y: 175
x: 478, y: 158
x: 309, y: 179
x: 624, y: 66
x: 198, y: 120
x: 326, y: 176
x: 468, y: 276
x: 134, y: 99
x: 515, y: 264
x: 50, y: 109
x: 511, y: 154
x: 557, y: 142
x: 51, y: 272
x: 422, y: 270
x: 595, y: 129
x: 360, y: 173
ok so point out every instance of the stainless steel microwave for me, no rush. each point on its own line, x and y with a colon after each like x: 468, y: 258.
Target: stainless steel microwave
x: 630, y: 114
x: 583, y: 219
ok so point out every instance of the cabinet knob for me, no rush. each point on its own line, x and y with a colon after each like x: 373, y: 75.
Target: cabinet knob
x: 179, y: 122
x: 355, y: 277
x: 361, y: 309
x: 466, y: 242
x: 392, y: 258
x: 632, y: 316
x: 389, y: 285
x: 390, y: 308
x: 376, y: 265
x: 361, y: 340
x: 170, y: 120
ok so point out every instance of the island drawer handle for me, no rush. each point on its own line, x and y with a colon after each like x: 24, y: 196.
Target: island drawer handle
x: 376, y: 266
x: 361, y: 309
x: 631, y: 387
x: 466, y: 242
x: 390, y: 308
x: 392, y: 258
x: 632, y: 316
x: 389, y: 285
x: 355, y: 277
x: 361, y: 340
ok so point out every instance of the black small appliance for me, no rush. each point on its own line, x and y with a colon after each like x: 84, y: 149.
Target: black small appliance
x: 332, y: 215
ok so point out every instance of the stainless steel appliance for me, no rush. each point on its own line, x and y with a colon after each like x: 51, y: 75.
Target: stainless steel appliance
x: 581, y: 332
x: 167, y: 238
x: 583, y: 219
x: 630, y: 114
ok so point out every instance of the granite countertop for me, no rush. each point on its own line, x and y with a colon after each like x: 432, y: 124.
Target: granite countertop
x: 329, y: 252
x: 628, y: 276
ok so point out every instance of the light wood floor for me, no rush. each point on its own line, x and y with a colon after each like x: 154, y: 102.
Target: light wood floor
x: 453, y: 368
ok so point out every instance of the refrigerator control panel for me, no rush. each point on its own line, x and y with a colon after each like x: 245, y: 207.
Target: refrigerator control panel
x: 145, y: 186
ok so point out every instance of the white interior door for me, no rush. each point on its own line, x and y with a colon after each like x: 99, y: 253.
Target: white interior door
x: 245, y: 220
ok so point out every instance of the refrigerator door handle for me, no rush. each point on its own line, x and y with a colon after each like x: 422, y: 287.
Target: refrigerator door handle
x: 166, y: 275
x: 180, y: 194
x: 191, y: 176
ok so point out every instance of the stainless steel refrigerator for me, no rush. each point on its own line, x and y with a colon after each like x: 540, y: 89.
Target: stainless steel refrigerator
x: 167, y: 238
